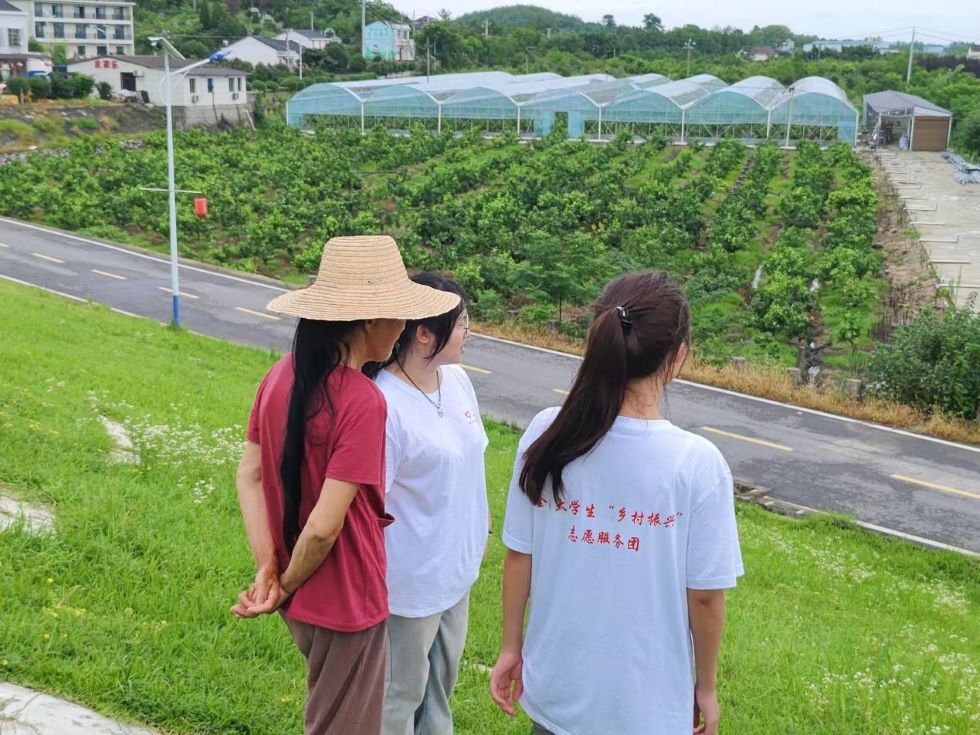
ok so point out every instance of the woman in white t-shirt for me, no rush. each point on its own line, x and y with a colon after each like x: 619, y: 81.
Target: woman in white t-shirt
x: 621, y: 529
x: 436, y: 491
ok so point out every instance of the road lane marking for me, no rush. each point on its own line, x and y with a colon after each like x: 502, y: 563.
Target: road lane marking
x: 560, y: 392
x: 936, y: 486
x: 182, y: 293
x: 475, y: 369
x: 47, y: 257
x: 137, y: 254
x: 4, y: 245
x: 256, y: 313
x: 750, y: 439
x: 107, y: 274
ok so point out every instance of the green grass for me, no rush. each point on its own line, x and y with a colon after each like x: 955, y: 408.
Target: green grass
x: 831, y: 632
x: 21, y: 131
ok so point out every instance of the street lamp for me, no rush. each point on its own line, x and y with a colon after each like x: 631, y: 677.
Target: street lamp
x: 168, y: 49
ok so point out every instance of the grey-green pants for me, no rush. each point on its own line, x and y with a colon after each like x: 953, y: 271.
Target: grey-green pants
x: 423, y: 664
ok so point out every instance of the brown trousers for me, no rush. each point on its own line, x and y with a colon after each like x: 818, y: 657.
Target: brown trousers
x: 345, y: 678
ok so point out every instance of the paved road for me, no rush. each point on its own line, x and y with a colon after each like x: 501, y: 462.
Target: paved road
x: 922, y: 487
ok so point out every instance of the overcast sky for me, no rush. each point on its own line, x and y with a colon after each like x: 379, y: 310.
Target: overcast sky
x: 948, y: 20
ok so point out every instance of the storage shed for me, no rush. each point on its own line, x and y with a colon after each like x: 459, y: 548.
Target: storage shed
x: 912, y: 122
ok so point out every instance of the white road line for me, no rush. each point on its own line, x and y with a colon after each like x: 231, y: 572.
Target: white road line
x: 42, y: 256
x: 107, y: 274
x: 256, y: 313
x: 758, y: 399
x: 165, y: 261
x: 184, y: 294
x: 473, y: 369
x: 42, y: 288
x: 560, y: 392
x: 4, y: 245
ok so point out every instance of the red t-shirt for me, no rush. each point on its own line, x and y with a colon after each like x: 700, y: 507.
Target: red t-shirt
x: 347, y: 592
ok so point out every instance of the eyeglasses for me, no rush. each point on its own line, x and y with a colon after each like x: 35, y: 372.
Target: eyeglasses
x: 463, y: 322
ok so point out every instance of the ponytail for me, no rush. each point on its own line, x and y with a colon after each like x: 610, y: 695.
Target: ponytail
x: 640, y: 322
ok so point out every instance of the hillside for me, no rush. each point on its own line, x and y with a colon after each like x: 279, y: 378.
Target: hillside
x: 508, y: 18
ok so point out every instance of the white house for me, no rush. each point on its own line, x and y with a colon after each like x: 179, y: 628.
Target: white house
x: 203, y: 96
x: 973, y: 52
x: 83, y: 27
x: 762, y: 53
x: 264, y: 50
x: 309, y: 39
x: 13, y: 29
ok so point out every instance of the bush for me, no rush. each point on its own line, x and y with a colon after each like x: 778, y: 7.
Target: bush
x: 82, y: 86
x: 40, y: 88
x: 105, y: 90
x: 934, y: 362
x: 18, y: 86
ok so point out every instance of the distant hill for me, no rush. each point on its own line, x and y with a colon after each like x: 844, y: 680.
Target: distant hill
x: 510, y: 17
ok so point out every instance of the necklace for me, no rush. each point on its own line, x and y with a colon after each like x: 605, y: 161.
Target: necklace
x: 438, y: 403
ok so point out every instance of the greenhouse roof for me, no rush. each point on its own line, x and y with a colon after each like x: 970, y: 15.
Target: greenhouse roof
x: 819, y: 85
x: 709, y: 81
x: 764, y: 90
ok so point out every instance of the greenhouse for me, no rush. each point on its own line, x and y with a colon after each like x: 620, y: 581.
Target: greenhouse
x: 592, y: 106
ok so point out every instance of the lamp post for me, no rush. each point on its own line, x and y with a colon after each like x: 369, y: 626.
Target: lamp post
x: 167, y: 86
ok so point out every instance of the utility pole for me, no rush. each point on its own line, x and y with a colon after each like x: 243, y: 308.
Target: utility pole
x: 525, y: 60
x: 689, y: 45
x: 548, y: 31
x: 427, y: 57
x: 908, y: 75
x: 311, y: 20
x: 363, y: 29
x: 486, y: 28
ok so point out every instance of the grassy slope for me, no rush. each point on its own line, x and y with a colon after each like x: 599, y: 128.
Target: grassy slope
x: 832, y: 630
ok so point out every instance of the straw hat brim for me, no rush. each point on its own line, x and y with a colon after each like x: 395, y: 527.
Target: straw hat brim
x: 403, y: 301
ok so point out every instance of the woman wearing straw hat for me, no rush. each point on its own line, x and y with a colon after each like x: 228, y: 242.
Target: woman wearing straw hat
x: 311, y: 480
x: 436, y: 488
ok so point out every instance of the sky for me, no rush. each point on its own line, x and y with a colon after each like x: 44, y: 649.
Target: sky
x: 947, y: 20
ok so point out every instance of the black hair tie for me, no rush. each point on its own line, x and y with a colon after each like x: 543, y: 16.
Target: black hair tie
x: 624, y: 319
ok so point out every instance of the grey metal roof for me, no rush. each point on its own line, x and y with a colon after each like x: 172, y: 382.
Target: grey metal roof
x: 895, y: 102
x: 277, y: 44
x: 6, y: 7
x: 156, y: 62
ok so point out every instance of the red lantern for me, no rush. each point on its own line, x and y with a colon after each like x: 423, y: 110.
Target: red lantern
x: 201, y: 206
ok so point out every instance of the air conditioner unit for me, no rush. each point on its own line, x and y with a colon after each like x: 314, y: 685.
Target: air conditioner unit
x: 194, y: 99
x: 234, y: 95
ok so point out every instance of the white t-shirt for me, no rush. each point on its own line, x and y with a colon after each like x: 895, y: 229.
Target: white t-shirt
x: 648, y: 513
x: 436, y: 488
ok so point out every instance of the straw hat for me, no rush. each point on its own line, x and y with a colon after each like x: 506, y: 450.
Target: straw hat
x: 363, y: 277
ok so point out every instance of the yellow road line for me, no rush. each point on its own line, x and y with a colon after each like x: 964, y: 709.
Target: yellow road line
x: 256, y: 313
x: 760, y: 442
x: 109, y: 275
x: 936, y: 486
x: 475, y: 369
x: 182, y: 293
x: 560, y: 392
x: 47, y: 257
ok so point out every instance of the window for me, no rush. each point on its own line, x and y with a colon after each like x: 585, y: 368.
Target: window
x: 231, y: 84
x: 118, y: 14
x: 100, y: 12
x: 79, y: 12
x: 101, y: 32
x: 239, y: 84
x: 119, y: 33
x: 120, y: 50
x: 210, y: 85
x: 58, y: 11
x: 101, y: 50
x: 59, y: 30
x: 81, y: 52
x: 80, y: 30
x: 38, y: 10
x: 13, y: 38
x: 193, y: 85
x: 40, y: 30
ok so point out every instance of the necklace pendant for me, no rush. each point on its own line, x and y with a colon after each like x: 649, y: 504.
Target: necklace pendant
x: 439, y: 411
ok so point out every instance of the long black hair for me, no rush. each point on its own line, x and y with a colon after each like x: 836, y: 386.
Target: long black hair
x: 318, y: 348
x: 441, y: 326
x: 640, y: 322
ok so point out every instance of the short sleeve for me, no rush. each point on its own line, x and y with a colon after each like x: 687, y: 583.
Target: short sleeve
x: 714, y: 559
x: 393, y: 451
x: 357, y: 454
x: 518, y: 532
x: 252, y: 432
